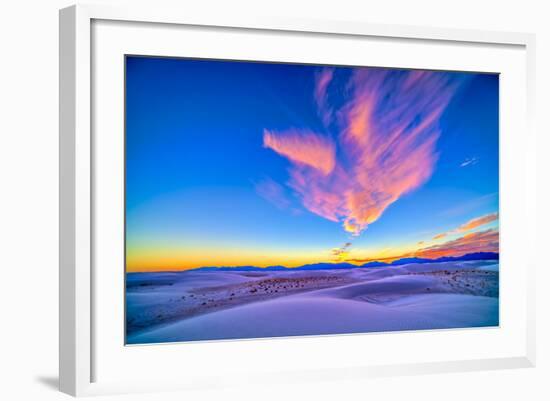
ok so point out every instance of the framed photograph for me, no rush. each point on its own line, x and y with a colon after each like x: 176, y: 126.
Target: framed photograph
x: 236, y: 194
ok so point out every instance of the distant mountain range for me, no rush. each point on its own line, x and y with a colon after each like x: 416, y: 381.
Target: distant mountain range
x: 331, y: 266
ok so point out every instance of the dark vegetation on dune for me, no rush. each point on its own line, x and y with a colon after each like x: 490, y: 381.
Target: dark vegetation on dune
x: 162, y: 298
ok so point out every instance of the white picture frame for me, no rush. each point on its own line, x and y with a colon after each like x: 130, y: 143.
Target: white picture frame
x: 78, y: 164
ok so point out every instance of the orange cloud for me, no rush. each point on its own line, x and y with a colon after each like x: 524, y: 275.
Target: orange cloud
x: 481, y: 241
x: 470, y: 225
x: 474, y: 223
x: 385, y: 142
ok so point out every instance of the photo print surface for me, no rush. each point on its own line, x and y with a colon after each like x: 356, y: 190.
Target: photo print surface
x: 275, y: 199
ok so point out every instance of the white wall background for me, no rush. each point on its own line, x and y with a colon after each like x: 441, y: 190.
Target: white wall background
x: 29, y: 186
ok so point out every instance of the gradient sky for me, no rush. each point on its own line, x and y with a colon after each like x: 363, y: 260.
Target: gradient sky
x: 241, y: 163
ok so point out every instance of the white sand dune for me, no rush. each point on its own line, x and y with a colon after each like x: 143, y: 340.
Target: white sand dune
x: 410, y: 297
x: 388, y: 285
x: 306, y: 315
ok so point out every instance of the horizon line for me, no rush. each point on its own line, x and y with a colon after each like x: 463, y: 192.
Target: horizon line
x: 360, y: 263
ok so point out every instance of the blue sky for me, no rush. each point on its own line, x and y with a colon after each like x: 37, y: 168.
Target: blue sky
x: 214, y: 173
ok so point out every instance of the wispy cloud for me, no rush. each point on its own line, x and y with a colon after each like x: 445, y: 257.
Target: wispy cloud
x: 304, y: 148
x: 469, y: 162
x: 471, y: 205
x: 273, y: 193
x: 342, y: 252
x: 470, y: 225
x: 322, y: 81
x: 384, y: 147
x: 481, y: 241
x: 477, y: 222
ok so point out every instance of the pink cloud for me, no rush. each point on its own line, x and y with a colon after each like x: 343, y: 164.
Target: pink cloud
x: 481, y: 241
x: 303, y: 148
x: 387, y: 132
x: 322, y: 81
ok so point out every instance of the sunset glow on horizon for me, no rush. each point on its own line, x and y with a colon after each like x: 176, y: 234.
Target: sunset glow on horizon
x: 180, y: 258
x: 258, y: 164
